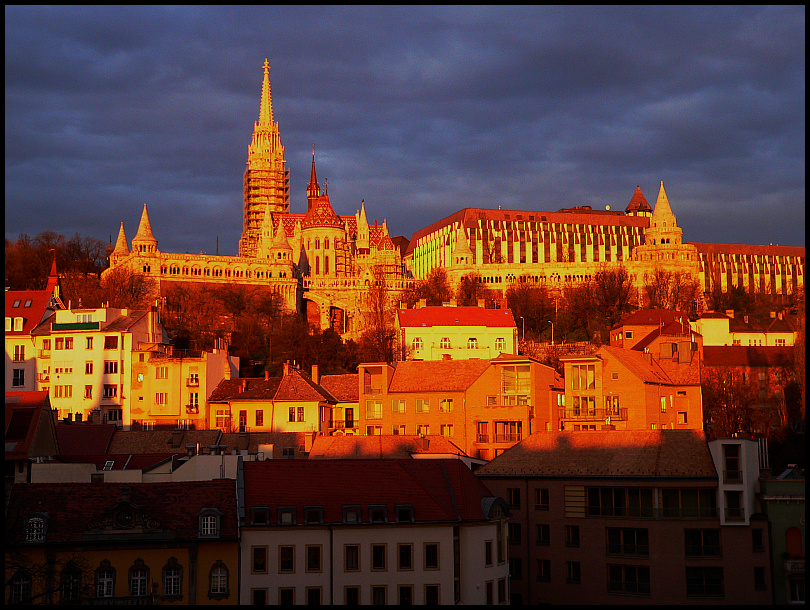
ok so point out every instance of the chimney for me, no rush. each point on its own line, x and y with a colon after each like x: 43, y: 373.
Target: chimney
x: 287, y: 368
x: 267, y: 375
x: 773, y: 315
x: 243, y: 386
x: 422, y: 303
x: 730, y: 313
x: 315, y: 374
x: 226, y: 370
x: 745, y: 319
x: 481, y: 303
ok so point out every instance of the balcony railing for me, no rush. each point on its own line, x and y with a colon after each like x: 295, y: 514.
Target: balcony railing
x: 593, y: 414
x: 44, y: 353
x: 340, y: 424
x: 508, y: 438
x: 193, y: 382
x: 794, y: 566
x: 42, y: 377
x: 192, y: 408
x: 482, y: 438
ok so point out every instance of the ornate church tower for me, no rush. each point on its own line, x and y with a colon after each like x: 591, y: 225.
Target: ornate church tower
x: 267, y: 179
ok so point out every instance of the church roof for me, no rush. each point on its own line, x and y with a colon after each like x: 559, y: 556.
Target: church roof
x: 321, y: 215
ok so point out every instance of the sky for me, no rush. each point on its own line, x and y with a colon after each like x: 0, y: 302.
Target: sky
x: 418, y: 111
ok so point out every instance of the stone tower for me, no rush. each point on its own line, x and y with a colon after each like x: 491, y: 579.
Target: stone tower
x: 267, y: 179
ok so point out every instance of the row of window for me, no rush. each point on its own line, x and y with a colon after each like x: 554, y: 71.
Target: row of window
x: 374, y: 408
x: 378, y: 558
x: 701, y: 581
x: 472, y: 343
x: 65, y: 343
x: 352, y: 514
x: 353, y: 595
x: 73, y: 586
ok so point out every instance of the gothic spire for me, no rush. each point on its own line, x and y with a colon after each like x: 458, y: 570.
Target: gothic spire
x: 144, y: 240
x: 266, y: 107
x: 121, y: 248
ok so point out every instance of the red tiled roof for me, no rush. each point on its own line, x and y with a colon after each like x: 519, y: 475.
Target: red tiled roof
x: 344, y: 388
x: 614, y: 453
x: 72, y: 508
x: 438, y: 490
x: 744, y: 356
x: 293, y: 386
x: 379, y: 446
x: 161, y: 441
x: 29, y: 427
x: 84, y: 439
x: 455, y: 316
x: 652, y: 317
x: 436, y: 375
x: 32, y: 307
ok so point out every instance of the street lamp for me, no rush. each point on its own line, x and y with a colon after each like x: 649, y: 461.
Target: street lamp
x: 552, y: 331
x: 523, y: 334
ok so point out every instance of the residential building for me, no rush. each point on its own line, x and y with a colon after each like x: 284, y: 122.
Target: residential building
x: 88, y: 370
x: 30, y: 434
x: 293, y: 402
x: 345, y: 389
x: 25, y: 310
x: 782, y: 499
x: 133, y: 544
x: 629, y: 517
x: 455, y: 333
x: 776, y: 330
x: 360, y: 532
x: 482, y: 406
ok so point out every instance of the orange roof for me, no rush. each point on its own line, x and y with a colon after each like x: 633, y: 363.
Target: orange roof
x: 29, y: 427
x: 436, y: 375
x: 455, y: 316
x: 616, y: 453
x: 379, y: 446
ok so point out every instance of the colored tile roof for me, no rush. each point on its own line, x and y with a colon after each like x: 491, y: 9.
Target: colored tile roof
x: 294, y: 386
x: 77, y: 509
x: 436, y: 375
x: 29, y: 427
x: 345, y: 388
x: 744, y: 356
x: 455, y: 316
x: 614, y: 453
x: 380, y: 446
x: 438, y: 490
x: 84, y: 439
x: 30, y: 305
x: 653, y: 317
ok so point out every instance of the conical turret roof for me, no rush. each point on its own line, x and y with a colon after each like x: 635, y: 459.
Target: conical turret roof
x: 321, y: 215
x: 280, y: 240
x: 121, y: 248
x: 662, y: 210
x: 144, y: 233
x: 638, y: 203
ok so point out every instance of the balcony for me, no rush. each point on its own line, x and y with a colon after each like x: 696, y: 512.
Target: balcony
x: 192, y: 409
x: 482, y: 438
x: 794, y: 566
x: 44, y: 353
x: 593, y: 414
x: 511, y: 437
x: 43, y: 377
x: 193, y: 382
x: 339, y: 424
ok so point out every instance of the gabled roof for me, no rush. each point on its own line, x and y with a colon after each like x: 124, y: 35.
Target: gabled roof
x: 638, y: 203
x: 33, y: 306
x: 436, y: 375
x: 672, y: 329
x: 438, y: 490
x: 648, y: 372
x: 610, y: 453
x: 744, y: 356
x: 84, y: 439
x: 294, y: 386
x: 344, y: 388
x: 29, y: 427
x: 388, y: 446
x: 78, y: 511
x: 455, y: 316
x: 652, y: 317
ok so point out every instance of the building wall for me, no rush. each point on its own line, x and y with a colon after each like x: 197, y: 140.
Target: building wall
x: 666, y: 559
x: 431, y: 339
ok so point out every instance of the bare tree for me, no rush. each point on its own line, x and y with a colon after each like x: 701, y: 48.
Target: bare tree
x: 728, y: 402
x: 674, y: 290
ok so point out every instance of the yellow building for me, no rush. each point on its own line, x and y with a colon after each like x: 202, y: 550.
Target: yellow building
x: 114, y: 544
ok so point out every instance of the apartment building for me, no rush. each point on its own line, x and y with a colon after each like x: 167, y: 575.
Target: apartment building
x: 455, y: 333
x: 352, y: 532
x: 482, y: 406
x: 29, y: 433
x: 631, y: 517
x: 775, y: 330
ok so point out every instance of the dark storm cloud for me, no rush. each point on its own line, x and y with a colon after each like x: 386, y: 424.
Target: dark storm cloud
x: 420, y: 111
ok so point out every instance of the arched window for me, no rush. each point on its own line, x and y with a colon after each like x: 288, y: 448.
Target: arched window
x: 317, y: 265
x: 35, y: 529
x: 105, y: 579
x: 325, y: 243
x: 139, y: 579
x: 417, y: 343
x: 317, y: 243
x: 445, y: 343
x: 20, y: 588
x: 500, y: 344
x: 326, y: 265
x: 172, y: 578
x: 218, y: 581
x: 472, y: 343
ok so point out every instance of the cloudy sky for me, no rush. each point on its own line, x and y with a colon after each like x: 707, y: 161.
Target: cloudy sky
x: 420, y: 111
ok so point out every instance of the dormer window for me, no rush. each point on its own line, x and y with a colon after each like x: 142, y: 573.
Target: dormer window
x: 351, y: 514
x: 210, y: 522
x: 286, y: 515
x: 313, y: 514
x: 404, y: 513
x: 378, y: 514
x: 35, y: 529
x: 260, y: 516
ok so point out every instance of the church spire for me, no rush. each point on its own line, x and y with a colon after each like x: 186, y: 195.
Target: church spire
x: 266, y: 106
x: 313, y: 188
x: 144, y: 240
x: 121, y: 248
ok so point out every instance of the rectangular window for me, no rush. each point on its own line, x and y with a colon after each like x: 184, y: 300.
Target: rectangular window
x: 405, y: 556
x: 242, y: 420
x: 513, y: 497
x: 286, y: 559
x: 300, y: 413
x: 423, y: 405
x: 68, y: 342
x: 88, y: 368
x: 628, y: 541
x: 373, y: 430
x: 19, y: 353
x: 572, y: 536
x: 18, y: 379
x: 110, y: 391
x: 379, y: 596
x: 111, y: 342
x: 351, y: 596
x: 110, y: 367
x: 398, y: 430
x: 541, y: 499
x: 286, y: 596
x: 259, y: 559
x: 702, y: 542
x: 313, y: 557
x: 88, y: 342
x: 162, y: 372
x: 543, y: 534
x: 59, y: 343
x: 373, y: 409
x: 573, y: 575
x: 583, y: 377
x: 688, y: 503
x: 431, y: 556
x: 490, y: 596
x: 620, y: 502
x: 446, y: 430
x: 351, y: 558
x: 544, y: 570
x: 88, y: 391
x: 161, y: 398
x: 432, y: 597
x: 515, y: 533
x: 291, y: 414
x: 422, y: 429
x: 259, y: 417
x: 704, y: 582
x: 488, y: 553
x: 633, y: 580
x: 446, y: 405
x: 378, y: 552
x: 398, y: 406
